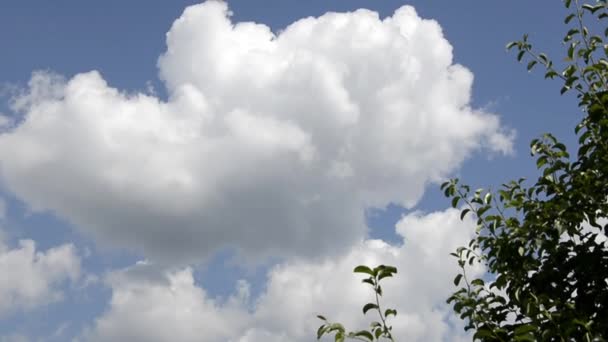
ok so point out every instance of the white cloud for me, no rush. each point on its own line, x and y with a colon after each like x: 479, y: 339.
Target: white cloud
x: 5, y: 121
x: 176, y: 308
x: 586, y: 228
x: 33, y: 278
x: 148, y: 305
x: 273, y: 144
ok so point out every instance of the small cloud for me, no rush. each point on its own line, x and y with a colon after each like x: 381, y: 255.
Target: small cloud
x: 39, y: 277
x: 502, y: 141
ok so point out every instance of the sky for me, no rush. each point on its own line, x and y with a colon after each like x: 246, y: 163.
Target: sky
x: 185, y: 170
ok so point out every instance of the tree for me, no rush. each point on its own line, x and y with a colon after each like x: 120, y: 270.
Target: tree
x: 544, y: 244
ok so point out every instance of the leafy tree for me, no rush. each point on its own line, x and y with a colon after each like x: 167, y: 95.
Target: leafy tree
x: 378, y: 329
x: 544, y: 244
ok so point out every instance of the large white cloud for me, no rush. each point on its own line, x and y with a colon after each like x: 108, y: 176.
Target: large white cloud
x: 31, y: 278
x: 148, y: 305
x: 273, y: 144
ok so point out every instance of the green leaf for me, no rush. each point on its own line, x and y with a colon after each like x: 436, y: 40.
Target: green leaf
x: 541, y: 161
x: 464, y: 213
x: 487, y: 198
x: 378, y: 332
x: 457, y: 279
x: 322, y: 317
x: 520, y: 55
x: 592, y: 8
x: 369, y: 306
x: 369, y: 281
x: 336, y: 327
x: 572, y: 32
x: 482, y: 210
x: 363, y: 269
x: 581, y: 323
x: 531, y: 64
x: 477, y: 282
x: 391, y: 269
x: 321, y: 331
x: 551, y: 74
x: 482, y: 333
x: 569, y: 71
x: 568, y: 18
x: 524, y: 329
x: 455, y: 202
x: 364, y: 333
x: 389, y: 312
x: 384, y: 275
x: 571, y: 51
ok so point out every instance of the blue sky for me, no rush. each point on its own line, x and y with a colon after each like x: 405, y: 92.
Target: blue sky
x: 265, y: 215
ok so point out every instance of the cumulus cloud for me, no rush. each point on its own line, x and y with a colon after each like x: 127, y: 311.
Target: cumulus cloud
x: 32, y: 278
x: 270, y: 143
x: 148, y: 305
x: 180, y: 310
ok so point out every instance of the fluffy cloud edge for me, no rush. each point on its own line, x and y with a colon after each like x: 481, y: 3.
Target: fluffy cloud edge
x: 149, y: 304
x: 33, y: 278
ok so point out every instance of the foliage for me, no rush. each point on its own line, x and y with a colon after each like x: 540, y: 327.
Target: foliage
x: 378, y: 329
x: 543, y: 244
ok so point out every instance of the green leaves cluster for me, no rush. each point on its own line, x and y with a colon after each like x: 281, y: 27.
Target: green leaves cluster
x: 586, y: 51
x: 548, y: 273
x: 378, y: 329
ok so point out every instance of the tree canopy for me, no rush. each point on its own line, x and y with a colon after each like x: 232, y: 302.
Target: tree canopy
x: 543, y: 244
